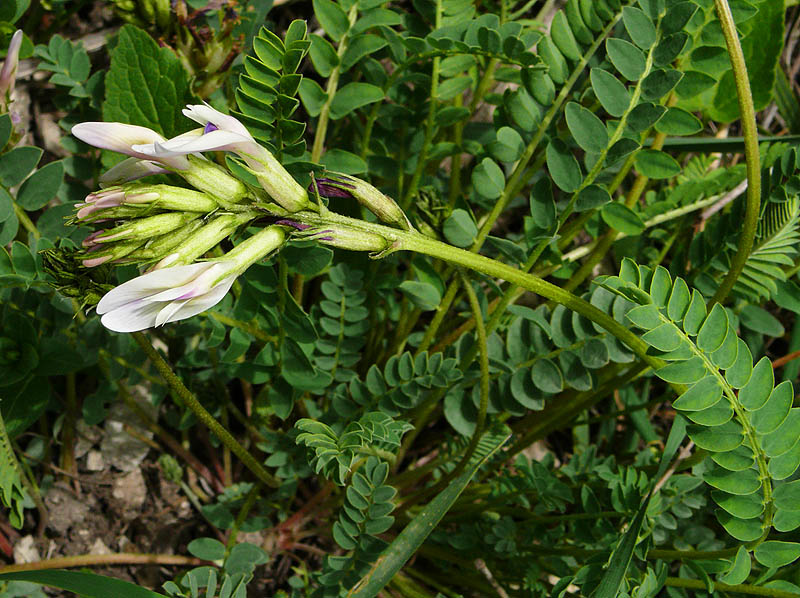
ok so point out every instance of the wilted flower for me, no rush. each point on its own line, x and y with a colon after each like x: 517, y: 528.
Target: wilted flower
x: 172, y: 294
x: 8, y: 75
x: 384, y: 207
x: 221, y: 132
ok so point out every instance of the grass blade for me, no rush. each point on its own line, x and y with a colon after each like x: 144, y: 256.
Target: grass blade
x: 622, y: 555
x: 88, y: 585
x: 414, y: 534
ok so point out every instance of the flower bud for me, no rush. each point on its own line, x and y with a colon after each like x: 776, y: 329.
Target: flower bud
x: 384, y: 207
x: 98, y: 254
x: 8, y: 74
x: 344, y: 237
x: 130, y: 169
x: 165, y: 197
x: 204, y: 239
x: 144, y: 228
x: 214, y: 180
x: 160, y: 247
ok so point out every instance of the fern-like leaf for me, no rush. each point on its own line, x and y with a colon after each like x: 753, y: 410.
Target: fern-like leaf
x: 739, y: 415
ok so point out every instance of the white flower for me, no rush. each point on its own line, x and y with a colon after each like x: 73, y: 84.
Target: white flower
x: 221, y: 132
x: 167, y: 295
x: 130, y: 139
x: 131, y: 169
x: 179, y: 292
x: 122, y: 138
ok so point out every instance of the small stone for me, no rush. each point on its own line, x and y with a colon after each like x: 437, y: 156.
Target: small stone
x: 25, y: 551
x: 65, y: 509
x: 130, y: 491
x: 120, y: 449
x: 94, y: 461
x: 99, y: 547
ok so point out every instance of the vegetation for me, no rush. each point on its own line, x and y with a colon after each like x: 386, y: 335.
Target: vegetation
x: 431, y: 298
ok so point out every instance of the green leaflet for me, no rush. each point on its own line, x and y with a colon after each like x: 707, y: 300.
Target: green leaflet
x: 749, y: 433
x: 777, y: 554
x: 740, y: 568
x: 11, y: 489
x: 701, y: 395
x: 738, y: 459
x: 267, y: 89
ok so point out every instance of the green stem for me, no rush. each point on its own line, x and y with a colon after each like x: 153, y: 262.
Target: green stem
x: 429, y: 124
x: 247, y: 327
x: 520, y: 174
x: 200, y: 412
x: 68, y: 428
x: 652, y: 554
x: 241, y: 516
x: 748, y: 120
x: 696, y: 584
x: 438, y: 317
x: 330, y: 89
x: 25, y: 221
x: 480, y: 422
x: 414, y: 241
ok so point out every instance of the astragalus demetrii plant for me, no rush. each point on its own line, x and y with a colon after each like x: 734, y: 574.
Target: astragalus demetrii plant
x: 449, y: 299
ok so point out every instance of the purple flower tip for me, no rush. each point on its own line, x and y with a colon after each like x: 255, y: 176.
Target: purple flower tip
x: 293, y: 224
x: 209, y: 127
x: 329, y: 190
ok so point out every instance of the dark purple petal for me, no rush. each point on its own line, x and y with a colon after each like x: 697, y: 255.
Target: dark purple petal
x: 209, y: 127
x: 330, y: 191
x: 293, y: 224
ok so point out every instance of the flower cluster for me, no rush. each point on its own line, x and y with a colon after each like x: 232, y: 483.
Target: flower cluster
x: 170, y: 228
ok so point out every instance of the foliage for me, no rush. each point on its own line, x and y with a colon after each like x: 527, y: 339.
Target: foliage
x: 520, y: 382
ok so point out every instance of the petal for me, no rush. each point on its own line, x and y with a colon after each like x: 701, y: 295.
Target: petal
x: 149, y: 284
x: 168, y: 310
x: 192, y: 307
x: 117, y: 137
x: 218, y: 140
x: 130, y: 170
x: 204, y: 114
x: 132, y: 317
x: 199, y: 285
x: 86, y: 210
x: 9, y: 72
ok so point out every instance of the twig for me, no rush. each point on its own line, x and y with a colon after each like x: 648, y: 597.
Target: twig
x: 200, y: 412
x: 685, y: 453
x: 481, y: 566
x: 121, y: 558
